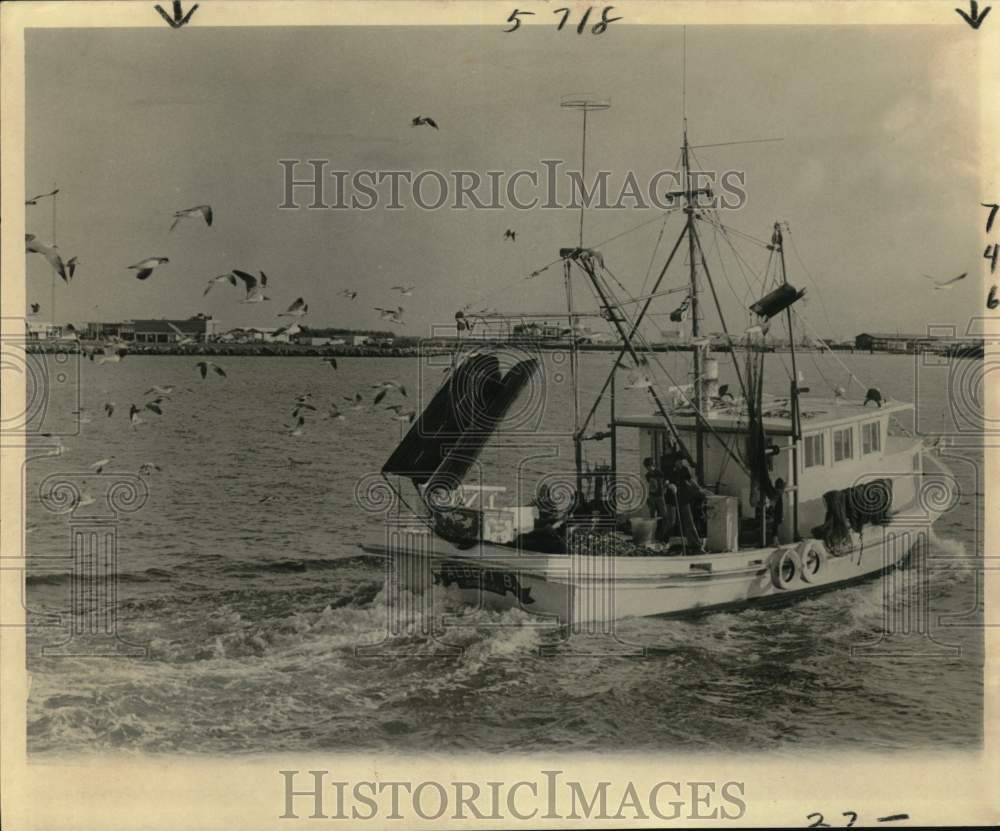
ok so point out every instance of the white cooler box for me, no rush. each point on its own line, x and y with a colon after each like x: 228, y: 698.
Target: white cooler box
x: 723, y: 523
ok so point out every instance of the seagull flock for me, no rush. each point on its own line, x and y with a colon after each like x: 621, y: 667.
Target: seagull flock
x: 254, y: 287
x: 158, y: 397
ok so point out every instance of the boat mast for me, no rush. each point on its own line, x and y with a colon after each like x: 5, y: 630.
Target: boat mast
x: 778, y: 242
x: 52, y: 289
x: 699, y: 403
x: 583, y: 103
x: 573, y: 368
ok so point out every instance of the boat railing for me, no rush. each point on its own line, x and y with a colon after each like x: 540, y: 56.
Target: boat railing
x: 470, y: 496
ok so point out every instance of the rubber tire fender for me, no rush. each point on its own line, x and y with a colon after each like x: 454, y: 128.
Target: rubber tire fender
x: 778, y: 561
x: 810, y: 551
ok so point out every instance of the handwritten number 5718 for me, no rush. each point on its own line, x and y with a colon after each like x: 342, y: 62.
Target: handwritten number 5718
x: 598, y: 28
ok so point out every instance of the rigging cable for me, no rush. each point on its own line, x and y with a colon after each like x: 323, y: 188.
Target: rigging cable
x: 812, y: 280
x: 507, y: 286
x: 652, y: 259
x: 679, y: 388
x: 847, y: 369
x: 741, y: 262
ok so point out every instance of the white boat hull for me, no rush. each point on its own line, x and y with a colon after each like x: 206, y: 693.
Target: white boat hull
x: 587, y: 588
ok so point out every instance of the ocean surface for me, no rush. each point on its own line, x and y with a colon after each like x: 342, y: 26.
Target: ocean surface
x: 242, y: 578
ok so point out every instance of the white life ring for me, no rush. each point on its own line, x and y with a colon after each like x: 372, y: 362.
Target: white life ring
x: 785, y: 568
x: 812, y: 560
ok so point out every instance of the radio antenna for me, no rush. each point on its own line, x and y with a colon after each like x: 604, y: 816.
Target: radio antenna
x: 684, y: 77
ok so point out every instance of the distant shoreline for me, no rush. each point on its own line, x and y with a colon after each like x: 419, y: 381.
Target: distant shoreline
x: 292, y: 350
x: 261, y: 350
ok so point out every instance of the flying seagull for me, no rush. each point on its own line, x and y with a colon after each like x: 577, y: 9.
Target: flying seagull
x: 205, y: 366
x: 637, y: 383
x: 334, y: 413
x: 227, y: 278
x: 944, y: 285
x: 35, y: 246
x: 422, y: 120
x: 109, y: 408
x: 34, y: 199
x: 35, y: 307
x: 296, y: 430
x: 392, y: 315
x: 406, y: 291
x: 133, y: 416
x: 147, y: 468
x: 350, y: 295
x: 255, y: 289
x: 331, y: 361
x: 114, y: 357
x: 100, y: 464
x: 390, y: 385
x: 383, y: 389
x: 302, y: 404
x: 71, y: 265
x: 154, y: 407
x: 297, y: 309
x: 145, y: 267
x: 161, y: 391
x: 357, y: 402
x: 511, y: 235
x: 400, y: 415
x: 204, y: 210
x: 184, y: 339
x: 290, y: 329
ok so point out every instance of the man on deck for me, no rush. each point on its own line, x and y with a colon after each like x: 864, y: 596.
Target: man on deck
x: 689, y: 497
x: 659, y: 507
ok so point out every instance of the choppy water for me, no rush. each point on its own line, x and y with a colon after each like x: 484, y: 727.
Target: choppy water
x: 242, y: 576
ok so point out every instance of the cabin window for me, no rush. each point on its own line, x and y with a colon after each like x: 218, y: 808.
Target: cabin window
x: 871, y: 437
x: 843, y: 444
x: 813, y: 446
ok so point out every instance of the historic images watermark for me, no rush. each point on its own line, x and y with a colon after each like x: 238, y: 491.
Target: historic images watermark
x: 310, y: 184
x: 318, y: 794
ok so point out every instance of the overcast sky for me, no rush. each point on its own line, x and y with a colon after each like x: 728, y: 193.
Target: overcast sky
x: 877, y: 174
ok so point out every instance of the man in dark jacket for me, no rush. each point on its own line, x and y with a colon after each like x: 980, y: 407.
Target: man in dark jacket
x: 690, y: 498
x: 656, y: 502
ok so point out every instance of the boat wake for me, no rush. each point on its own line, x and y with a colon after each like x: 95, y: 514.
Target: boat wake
x: 315, y: 668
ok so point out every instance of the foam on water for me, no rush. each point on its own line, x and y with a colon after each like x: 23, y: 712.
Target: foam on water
x: 243, y: 577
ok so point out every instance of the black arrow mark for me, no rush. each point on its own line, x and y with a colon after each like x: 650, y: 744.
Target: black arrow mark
x: 974, y: 18
x: 180, y: 19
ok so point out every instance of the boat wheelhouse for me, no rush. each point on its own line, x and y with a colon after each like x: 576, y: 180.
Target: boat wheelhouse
x: 842, y: 444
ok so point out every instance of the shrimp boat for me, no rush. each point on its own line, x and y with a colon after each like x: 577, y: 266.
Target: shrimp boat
x: 793, y: 494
